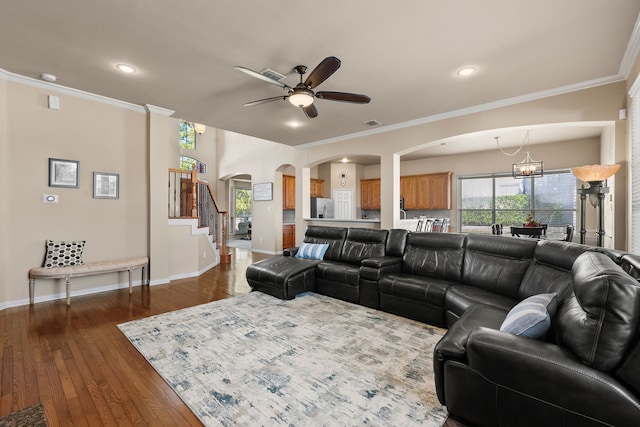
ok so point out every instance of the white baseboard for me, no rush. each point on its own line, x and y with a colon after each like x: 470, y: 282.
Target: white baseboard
x: 63, y: 295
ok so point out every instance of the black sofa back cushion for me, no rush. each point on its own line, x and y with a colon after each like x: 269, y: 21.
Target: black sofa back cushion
x: 334, y: 236
x: 497, y: 263
x: 600, y: 320
x: 363, y: 243
x: 438, y: 255
x: 396, y: 242
x: 551, y: 269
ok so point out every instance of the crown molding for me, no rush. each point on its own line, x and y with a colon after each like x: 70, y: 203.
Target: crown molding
x: 471, y: 110
x: 29, y: 81
x: 158, y: 110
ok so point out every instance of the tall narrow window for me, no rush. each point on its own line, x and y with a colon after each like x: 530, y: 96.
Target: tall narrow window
x: 635, y: 167
x: 187, y: 135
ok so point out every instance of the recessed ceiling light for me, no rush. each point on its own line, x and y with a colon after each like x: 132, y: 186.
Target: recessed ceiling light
x: 345, y: 160
x: 466, y: 71
x: 294, y: 124
x: 126, y: 68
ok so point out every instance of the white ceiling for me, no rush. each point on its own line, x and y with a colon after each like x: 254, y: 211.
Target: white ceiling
x: 404, y: 55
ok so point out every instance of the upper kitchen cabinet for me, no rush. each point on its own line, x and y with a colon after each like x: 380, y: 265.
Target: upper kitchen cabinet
x: 370, y: 194
x: 429, y: 191
x: 288, y: 192
x: 317, y: 187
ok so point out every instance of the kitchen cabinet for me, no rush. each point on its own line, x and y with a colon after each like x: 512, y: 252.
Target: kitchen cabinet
x: 440, y: 186
x: 408, y: 192
x: 428, y: 191
x: 370, y: 194
x: 288, y: 236
x: 288, y: 192
x: 317, y: 187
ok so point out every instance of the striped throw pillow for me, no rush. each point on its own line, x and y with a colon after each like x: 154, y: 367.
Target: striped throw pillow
x: 531, y: 317
x: 312, y: 250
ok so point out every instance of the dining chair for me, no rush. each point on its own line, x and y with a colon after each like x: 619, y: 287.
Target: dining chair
x: 496, y: 229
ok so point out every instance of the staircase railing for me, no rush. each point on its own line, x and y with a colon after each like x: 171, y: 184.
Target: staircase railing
x: 192, y: 198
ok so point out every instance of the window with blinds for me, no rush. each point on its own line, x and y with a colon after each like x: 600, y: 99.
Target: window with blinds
x: 634, y: 93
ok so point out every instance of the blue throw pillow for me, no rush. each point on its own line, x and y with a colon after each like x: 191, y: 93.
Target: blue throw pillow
x: 531, y: 317
x: 312, y: 250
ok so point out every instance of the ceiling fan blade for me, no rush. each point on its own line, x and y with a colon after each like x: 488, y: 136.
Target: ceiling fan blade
x: 264, y: 101
x: 261, y: 77
x: 322, y: 72
x: 344, y: 97
x: 310, y: 111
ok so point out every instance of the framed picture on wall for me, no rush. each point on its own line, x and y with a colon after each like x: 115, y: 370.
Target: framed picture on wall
x: 106, y: 185
x: 63, y: 173
x: 263, y: 191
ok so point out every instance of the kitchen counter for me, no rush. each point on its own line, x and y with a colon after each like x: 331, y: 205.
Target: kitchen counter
x: 372, y: 220
x: 336, y: 222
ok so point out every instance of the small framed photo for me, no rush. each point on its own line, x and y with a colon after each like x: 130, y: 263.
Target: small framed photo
x: 63, y: 173
x: 106, y: 185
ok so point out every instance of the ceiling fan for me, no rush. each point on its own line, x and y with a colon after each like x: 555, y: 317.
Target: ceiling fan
x: 302, y: 95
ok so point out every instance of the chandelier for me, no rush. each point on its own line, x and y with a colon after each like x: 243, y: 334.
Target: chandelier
x: 528, y: 168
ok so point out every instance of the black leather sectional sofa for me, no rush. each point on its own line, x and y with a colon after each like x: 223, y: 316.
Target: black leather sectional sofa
x: 584, y: 372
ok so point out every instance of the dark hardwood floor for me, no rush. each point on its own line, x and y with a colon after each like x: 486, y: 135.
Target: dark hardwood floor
x: 77, y: 362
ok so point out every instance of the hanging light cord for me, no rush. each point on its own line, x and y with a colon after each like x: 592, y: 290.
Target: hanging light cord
x: 526, y: 139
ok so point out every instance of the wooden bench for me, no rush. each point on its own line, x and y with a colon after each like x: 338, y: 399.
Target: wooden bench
x: 88, y: 269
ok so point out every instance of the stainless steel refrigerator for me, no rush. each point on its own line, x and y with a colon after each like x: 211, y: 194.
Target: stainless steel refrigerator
x: 321, y: 207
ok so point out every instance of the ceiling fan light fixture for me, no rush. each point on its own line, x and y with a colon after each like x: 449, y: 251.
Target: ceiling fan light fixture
x: 301, y: 98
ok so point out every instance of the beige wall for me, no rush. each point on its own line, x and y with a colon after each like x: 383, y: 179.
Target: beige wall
x: 103, y: 138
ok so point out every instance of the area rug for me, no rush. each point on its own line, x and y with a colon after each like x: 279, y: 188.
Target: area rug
x: 33, y: 416
x: 257, y: 360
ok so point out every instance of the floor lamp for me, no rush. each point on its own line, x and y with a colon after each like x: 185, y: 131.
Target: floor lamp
x: 595, y: 175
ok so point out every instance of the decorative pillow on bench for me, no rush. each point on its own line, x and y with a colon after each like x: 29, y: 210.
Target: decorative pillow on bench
x: 312, y: 250
x: 62, y: 254
x: 531, y: 317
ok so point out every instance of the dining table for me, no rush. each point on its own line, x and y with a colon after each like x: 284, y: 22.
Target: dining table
x: 536, y: 232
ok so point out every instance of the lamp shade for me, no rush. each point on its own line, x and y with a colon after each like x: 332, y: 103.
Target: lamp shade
x: 199, y: 128
x: 590, y: 173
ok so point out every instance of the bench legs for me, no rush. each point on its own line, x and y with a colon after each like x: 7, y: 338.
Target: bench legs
x: 32, y: 285
x: 67, y: 281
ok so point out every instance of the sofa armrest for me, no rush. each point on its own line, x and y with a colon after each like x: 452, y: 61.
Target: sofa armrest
x: 382, y: 261
x: 550, y: 373
x: 290, y: 251
x: 373, y: 269
x: 453, y: 346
